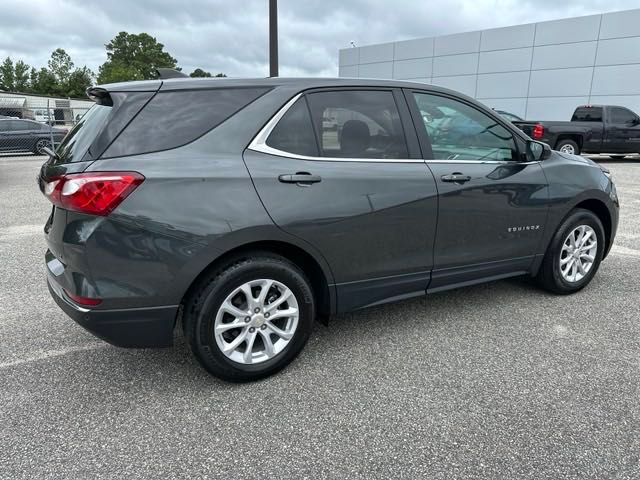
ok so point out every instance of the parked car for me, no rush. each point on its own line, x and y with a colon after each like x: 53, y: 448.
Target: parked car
x: 512, y: 117
x: 592, y: 129
x: 18, y: 135
x: 231, y: 208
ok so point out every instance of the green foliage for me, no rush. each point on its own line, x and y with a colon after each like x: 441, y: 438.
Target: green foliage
x: 21, y: 76
x: 130, y: 56
x: 133, y: 56
x: 198, y: 72
x: 7, y: 75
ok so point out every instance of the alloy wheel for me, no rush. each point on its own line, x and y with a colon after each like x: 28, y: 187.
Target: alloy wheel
x: 568, y: 148
x: 578, y: 253
x: 256, y: 321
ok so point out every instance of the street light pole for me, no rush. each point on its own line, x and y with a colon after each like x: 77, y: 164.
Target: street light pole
x: 273, y: 38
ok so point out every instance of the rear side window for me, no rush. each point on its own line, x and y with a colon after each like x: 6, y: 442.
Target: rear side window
x: 79, y: 139
x: 358, y: 124
x: 622, y: 116
x: 294, y: 132
x: 175, y: 118
x: 587, y: 114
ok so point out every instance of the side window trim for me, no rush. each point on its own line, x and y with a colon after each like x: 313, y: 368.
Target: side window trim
x: 425, y: 141
x: 259, y: 142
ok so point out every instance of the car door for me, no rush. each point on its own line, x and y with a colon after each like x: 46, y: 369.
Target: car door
x: 5, y: 137
x: 623, y: 130
x: 492, y: 204
x: 342, y: 170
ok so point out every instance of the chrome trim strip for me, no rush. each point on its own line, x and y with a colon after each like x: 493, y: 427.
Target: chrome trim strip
x: 259, y: 144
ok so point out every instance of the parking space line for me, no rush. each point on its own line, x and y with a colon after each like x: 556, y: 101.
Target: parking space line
x: 53, y: 354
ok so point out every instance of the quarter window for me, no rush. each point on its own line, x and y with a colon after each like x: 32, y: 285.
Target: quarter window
x: 294, y: 132
x: 358, y: 124
x: 622, y: 116
x: 458, y: 131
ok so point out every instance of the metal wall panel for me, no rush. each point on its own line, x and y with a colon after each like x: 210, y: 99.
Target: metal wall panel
x: 497, y: 85
x: 415, y: 68
x: 376, y: 53
x: 560, y: 83
x: 508, y: 37
x: 511, y: 60
x: 567, y: 55
x: 541, y: 70
x: 448, y: 65
x: 457, y: 43
x: 579, y: 29
x: 419, y: 48
x: 376, y: 70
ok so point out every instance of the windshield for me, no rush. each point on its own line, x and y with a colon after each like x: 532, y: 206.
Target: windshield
x: 80, y: 138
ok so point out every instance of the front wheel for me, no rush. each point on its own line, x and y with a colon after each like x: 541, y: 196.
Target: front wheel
x: 568, y: 146
x: 251, y: 318
x: 574, y: 254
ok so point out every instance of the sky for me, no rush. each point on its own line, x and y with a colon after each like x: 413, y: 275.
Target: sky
x: 231, y: 36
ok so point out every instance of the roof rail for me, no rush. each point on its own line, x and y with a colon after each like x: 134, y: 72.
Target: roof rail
x: 169, y: 73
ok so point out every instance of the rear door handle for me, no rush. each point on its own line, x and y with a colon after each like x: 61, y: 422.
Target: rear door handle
x: 301, y: 178
x: 456, y: 177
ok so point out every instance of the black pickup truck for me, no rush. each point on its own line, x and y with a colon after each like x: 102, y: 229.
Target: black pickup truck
x: 592, y: 129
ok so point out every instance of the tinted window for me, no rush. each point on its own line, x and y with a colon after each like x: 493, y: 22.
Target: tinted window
x: 294, y: 132
x: 358, y: 124
x: 458, y: 131
x: 21, y: 125
x: 175, y: 118
x: 79, y: 139
x: 622, y: 116
x: 587, y: 114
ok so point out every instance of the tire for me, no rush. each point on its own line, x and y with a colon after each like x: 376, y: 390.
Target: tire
x: 40, y: 144
x: 568, y: 146
x: 550, y: 276
x: 204, y: 312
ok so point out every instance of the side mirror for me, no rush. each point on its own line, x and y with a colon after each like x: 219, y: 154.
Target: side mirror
x: 537, y: 151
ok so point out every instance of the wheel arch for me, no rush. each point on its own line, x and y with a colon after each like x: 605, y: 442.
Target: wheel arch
x: 318, y: 273
x: 600, y: 209
x: 570, y: 136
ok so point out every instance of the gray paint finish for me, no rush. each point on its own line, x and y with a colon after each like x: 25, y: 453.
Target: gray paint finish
x: 562, y: 63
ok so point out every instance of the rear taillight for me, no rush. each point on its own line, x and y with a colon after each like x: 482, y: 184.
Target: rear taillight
x: 96, y: 193
x: 538, y: 131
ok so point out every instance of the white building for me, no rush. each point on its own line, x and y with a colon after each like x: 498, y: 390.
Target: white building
x: 43, y: 108
x: 539, y: 71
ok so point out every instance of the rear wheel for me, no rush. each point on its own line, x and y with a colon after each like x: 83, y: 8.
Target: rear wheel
x: 251, y: 318
x: 568, y: 146
x: 574, y: 254
x: 41, y: 145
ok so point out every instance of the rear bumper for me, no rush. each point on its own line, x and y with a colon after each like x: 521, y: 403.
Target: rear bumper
x: 130, y: 328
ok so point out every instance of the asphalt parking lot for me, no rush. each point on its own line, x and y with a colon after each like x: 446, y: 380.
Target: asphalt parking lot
x: 494, y: 381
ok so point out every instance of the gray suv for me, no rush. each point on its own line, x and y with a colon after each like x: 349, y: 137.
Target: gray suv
x: 242, y: 210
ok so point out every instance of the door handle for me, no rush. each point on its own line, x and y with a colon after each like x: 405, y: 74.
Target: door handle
x: 455, y: 177
x: 301, y: 178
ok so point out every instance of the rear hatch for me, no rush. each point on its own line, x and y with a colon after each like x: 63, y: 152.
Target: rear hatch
x: 88, y: 139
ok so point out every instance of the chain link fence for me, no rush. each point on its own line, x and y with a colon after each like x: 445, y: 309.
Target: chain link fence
x: 30, y: 124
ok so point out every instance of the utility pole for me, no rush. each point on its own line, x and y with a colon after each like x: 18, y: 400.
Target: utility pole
x: 273, y: 38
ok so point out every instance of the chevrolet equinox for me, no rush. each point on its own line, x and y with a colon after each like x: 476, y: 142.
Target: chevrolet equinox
x: 241, y: 210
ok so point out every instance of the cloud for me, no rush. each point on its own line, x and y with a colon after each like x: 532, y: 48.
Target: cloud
x: 232, y: 36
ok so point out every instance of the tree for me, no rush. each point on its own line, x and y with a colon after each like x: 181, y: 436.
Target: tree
x: 79, y: 80
x: 7, y: 75
x: 60, y: 65
x: 21, y: 76
x: 198, y: 72
x: 45, y: 82
x: 219, y: 75
x: 133, y: 56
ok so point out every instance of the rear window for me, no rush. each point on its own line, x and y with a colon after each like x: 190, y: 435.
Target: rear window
x: 175, y: 118
x: 79, y: 139
x: 587, y: 114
